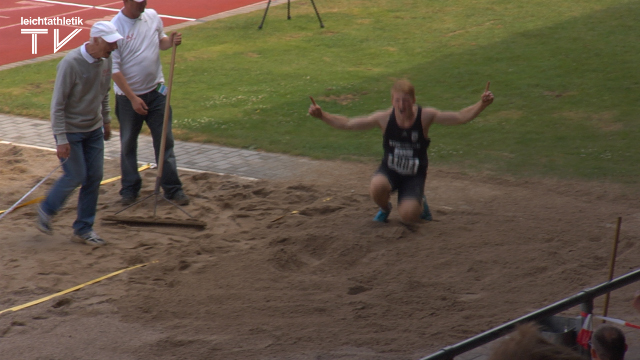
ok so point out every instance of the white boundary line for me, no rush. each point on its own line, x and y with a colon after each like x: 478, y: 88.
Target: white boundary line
x: 139, y: 162
x: 64, y: 3
x: 106, y: 8
x: 27, y: 146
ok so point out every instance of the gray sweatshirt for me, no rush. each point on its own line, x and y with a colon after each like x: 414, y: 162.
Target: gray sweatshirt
x: 80, y: 101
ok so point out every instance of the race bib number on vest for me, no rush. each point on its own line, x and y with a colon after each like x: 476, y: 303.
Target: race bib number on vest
x: 403, y: 165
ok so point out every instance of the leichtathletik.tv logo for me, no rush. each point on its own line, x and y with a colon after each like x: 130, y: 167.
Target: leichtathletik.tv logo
x: 52, y: 21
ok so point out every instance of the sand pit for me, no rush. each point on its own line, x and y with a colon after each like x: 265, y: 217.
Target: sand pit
x: 322, y: 283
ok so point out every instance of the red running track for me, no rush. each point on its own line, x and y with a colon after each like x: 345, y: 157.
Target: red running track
x: 17, y: 46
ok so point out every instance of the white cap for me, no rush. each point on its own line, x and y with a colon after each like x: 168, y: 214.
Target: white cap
x: 138, y: 0
x: 105, y: 30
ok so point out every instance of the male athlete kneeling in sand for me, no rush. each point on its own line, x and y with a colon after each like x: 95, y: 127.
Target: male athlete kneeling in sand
x: 405, y: 141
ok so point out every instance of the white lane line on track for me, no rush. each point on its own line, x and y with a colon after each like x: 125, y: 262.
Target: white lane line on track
x: 107, y: 9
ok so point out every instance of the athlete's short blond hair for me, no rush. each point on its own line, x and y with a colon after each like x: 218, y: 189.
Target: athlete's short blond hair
x: 404, y: 87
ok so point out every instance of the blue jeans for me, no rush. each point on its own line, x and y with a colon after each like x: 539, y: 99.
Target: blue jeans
x: 130, y: 126
x: 83, y: 168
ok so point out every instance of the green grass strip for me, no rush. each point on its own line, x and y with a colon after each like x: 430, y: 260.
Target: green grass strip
x: 563, y: 73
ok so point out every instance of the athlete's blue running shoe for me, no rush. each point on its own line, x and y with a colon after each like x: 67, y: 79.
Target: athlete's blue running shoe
x: 426, y: 213
x: 382, y: 215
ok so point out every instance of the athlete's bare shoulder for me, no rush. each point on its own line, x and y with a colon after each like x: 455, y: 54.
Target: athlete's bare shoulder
x: 428, y: 115
x: 382, y: 117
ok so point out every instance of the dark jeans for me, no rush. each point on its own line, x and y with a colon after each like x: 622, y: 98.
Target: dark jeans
x: 130, y: 126
x: 84, y: 167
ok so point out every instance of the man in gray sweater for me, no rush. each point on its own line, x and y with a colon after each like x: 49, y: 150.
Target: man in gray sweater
x: 79, y: 113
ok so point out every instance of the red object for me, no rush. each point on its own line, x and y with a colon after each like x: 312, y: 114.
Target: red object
x: 619, y: 322
x: 584, y: 336
x: 17, y: 46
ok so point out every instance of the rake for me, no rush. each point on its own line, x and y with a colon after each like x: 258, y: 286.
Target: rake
x: 155, y: 220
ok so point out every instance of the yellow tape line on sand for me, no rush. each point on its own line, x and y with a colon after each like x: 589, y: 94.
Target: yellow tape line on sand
x: 73, y: 288
x: 103, y: 182
x: 141, y: 168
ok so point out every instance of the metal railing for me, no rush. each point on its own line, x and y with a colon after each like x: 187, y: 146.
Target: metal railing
x: 583, y: 298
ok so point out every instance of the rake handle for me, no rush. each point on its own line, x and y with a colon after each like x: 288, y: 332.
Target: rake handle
x: 165, y: 122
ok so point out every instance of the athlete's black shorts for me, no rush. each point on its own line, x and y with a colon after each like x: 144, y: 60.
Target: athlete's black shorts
x: 408, y: 186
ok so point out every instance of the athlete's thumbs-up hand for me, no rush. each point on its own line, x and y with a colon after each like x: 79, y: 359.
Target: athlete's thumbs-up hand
x: 314, y: 109
x: 487, y: 96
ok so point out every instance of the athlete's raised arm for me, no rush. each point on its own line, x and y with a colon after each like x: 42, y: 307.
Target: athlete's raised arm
x: 377, y: 119
x: 467, y: 114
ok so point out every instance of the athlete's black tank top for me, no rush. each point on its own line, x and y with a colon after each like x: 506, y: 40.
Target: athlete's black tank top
x: 405, y: 150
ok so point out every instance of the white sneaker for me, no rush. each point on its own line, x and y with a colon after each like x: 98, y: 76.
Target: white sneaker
x: 90, y: 238
x: 43, y: 223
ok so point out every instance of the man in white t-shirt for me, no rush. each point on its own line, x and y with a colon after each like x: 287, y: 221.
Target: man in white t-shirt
x: 141, y: 96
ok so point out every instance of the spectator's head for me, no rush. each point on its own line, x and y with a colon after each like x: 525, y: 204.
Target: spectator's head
x: 104, y: 39
x: 526, y: 343
x: 134, y: 8
x: 608, y: 343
